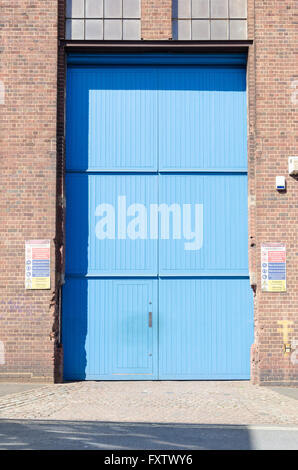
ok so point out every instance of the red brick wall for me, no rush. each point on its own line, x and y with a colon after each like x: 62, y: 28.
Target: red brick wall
x: 156, y: 21
x: 28, y: 70
x: 273, y: 137
x: 32, y: 167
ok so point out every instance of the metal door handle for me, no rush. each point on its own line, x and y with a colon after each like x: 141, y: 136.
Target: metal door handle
x: 150, y: 319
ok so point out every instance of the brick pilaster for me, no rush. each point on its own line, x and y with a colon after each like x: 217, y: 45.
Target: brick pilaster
x: 156, y: 19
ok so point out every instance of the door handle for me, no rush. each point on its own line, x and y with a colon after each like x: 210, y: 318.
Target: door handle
x: 150, y: 319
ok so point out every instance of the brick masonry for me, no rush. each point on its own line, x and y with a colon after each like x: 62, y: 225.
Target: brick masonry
x: 156, y: 21
x: 28, y: 62
x: 32, y: 168
x: 273, y: 137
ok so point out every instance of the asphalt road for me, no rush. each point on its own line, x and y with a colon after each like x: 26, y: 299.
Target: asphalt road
x: 74, y: 435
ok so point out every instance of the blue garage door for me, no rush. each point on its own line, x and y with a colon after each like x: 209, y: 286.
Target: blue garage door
x: 157, y: 280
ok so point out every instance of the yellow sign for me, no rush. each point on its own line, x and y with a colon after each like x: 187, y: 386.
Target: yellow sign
x: 277, y: 286
x: 285, y: 330
x: 41, y: 283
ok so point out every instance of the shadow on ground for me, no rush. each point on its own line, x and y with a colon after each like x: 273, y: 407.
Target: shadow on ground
x: 12, y: 388
x: 291, y: 392
x: 33, y: 434
x: 80, y: 435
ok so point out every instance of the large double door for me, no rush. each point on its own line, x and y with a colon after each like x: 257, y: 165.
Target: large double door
x: 156, y: 223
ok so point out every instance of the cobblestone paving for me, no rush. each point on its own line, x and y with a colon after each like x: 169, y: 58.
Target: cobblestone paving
x: 154, y: 402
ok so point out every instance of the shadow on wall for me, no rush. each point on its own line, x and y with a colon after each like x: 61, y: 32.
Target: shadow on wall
x: 76, y: 435
x: 75, y: 290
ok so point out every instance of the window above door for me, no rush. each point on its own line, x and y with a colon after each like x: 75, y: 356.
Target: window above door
x: 117, y: 20
x: 209, y: 19
x: 103, y: 19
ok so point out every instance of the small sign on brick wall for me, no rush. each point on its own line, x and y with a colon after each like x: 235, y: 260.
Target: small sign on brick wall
x: 273, y: 260
x: 37, y: 264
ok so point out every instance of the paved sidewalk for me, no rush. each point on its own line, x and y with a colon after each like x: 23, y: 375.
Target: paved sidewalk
x: 226, y: 403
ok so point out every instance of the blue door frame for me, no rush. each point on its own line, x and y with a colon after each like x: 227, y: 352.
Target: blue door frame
x: 147, y: 130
